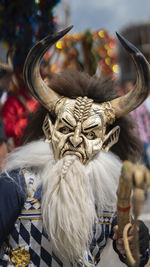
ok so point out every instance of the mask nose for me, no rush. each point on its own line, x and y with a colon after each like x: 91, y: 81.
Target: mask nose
x: 76, y: 139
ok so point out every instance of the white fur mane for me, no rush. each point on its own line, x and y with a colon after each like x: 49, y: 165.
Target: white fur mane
x: 34, y: 154
x: 105, y: 166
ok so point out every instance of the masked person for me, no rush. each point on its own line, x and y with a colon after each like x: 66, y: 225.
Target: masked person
x: 58, y: 192
x: 17, y: 102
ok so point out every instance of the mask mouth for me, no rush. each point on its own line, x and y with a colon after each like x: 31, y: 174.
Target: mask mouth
x: 80, y: 155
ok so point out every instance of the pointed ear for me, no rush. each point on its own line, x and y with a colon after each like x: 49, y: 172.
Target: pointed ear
x: 47, y: 128
x: 111, y: 138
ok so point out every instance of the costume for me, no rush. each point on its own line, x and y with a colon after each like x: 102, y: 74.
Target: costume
x: 63, y: 191
x: 142, y: 118
x: 15, y: 112
x: 28, y: 229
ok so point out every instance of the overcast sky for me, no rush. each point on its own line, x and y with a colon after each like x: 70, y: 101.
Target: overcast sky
x: 111, y: 15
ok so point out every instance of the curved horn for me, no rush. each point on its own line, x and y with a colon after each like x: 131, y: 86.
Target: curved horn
x: 130, y: 101
x: 38, y: 88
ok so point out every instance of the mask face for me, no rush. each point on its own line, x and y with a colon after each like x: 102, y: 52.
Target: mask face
x: 79, y: 128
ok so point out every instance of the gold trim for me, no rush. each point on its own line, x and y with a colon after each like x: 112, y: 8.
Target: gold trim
x: 31, y: 210
x: 36, y: 200
x: 20, y: 257
x: 24, y: 172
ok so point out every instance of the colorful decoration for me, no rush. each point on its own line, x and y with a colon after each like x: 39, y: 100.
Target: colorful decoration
x: 20, y: 257
x: 24, y: 22
x: 15, y: 114
x: 90, y: 51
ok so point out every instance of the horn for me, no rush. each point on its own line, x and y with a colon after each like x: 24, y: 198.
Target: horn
x: 31, y: 72
x: 130, y: 101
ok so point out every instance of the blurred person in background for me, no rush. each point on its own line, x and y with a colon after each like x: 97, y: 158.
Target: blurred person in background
x: 16, y: 109
x: 18, y: 102
x: 139, y: 35
x: 141, y: 118
x: 22, y: 24
x: 6, y: 77
x: 3, y: 145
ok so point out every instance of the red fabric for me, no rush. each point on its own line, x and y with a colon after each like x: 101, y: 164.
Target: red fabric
x: 15, y: 115
x: 124, y: 209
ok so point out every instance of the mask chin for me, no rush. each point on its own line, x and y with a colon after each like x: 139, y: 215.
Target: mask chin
x: 111, y: 139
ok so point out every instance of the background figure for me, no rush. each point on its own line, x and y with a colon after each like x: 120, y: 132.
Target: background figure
x: 22, y: 24
x: 17, y: 103
x: 142, y: 118
x: 6, y: 77
x: 16, y: 109
x: 139, y: 36
x: 147, y: 144
x: 6, y: 73
x: 3, y: 144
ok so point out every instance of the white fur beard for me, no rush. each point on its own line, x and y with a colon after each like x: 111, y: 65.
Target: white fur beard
x: 104, y: 171
x: 68, y: 208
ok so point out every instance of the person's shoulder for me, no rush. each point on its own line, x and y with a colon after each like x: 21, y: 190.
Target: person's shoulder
x: 12, y: 180
x: 12, y: 174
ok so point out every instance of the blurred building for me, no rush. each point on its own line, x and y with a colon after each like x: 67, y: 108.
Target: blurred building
x: 139, y: 35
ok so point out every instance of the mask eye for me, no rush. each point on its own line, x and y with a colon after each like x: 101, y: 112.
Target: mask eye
x: 64, y: 130
x: 91, y: 135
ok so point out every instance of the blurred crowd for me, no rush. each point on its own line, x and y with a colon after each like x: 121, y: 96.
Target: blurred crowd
x: 139, y: 35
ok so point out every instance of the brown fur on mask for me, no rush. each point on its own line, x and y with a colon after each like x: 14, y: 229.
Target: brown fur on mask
x: 72, y: 83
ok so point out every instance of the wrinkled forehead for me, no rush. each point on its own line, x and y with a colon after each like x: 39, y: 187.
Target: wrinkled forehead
x: 81, y: 109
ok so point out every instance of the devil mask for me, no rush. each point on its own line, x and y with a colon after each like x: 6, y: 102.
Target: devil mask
x: 80, y: 125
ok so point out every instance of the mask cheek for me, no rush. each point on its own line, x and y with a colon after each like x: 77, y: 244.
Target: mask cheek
x: 47, y: 128
x: 55, y: 142
x: 97, y: 146
x: 58, y: 142
x: 111, y: 138
x: 93, y: 147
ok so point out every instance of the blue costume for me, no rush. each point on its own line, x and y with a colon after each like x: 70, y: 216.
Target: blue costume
x: 22, y: 237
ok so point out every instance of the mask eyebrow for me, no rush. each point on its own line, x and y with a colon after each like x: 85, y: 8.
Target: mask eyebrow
x: 67, y: 122
x: 91, y: 127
